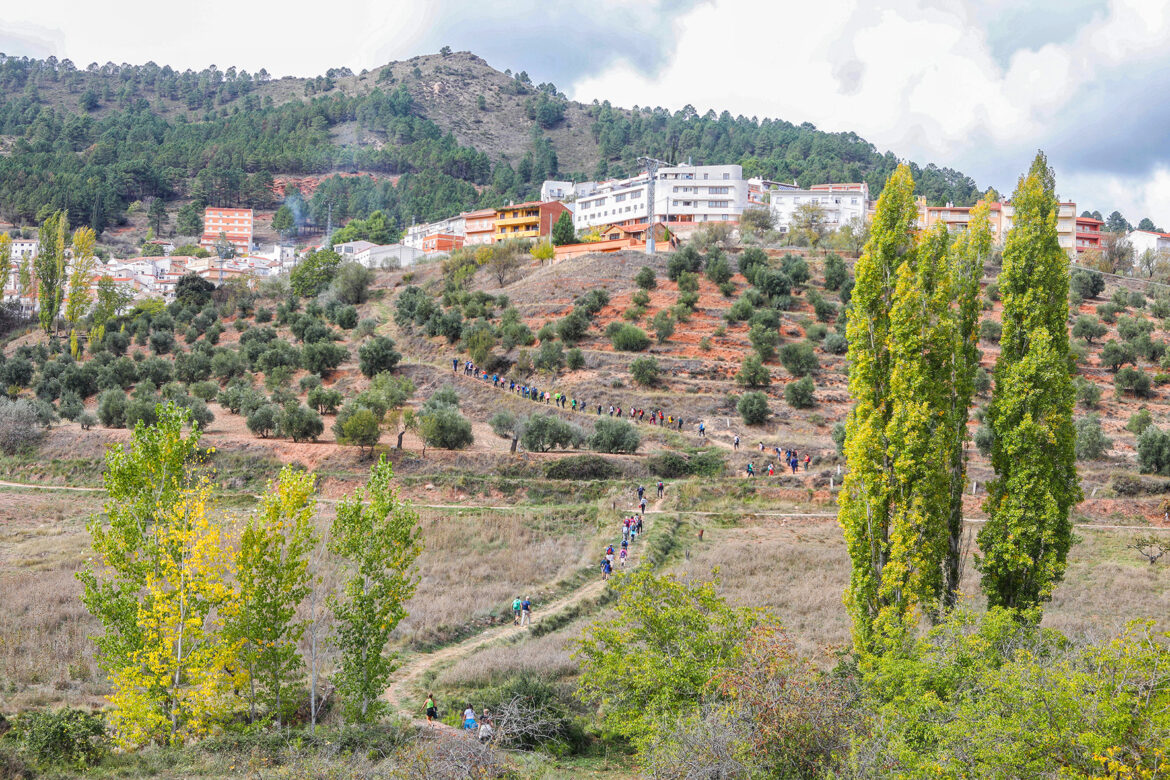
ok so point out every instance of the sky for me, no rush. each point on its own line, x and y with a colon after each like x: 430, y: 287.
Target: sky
x: 973, y: 85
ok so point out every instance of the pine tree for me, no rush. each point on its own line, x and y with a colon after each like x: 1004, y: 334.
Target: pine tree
x: 562, y: 231
x: 80, y: 278
x: 865, y: 502
x: 966, y: 258
x: 1025, y: 542
x: 272, y: 569
x: 377, y: 540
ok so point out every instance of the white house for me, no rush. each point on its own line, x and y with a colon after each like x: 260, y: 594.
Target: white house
x: 839, y: 203
x: 416, y: 234
x: 1141, y: 240
x: 684, y: 195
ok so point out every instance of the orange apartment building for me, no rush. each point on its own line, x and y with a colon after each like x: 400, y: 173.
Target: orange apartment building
x: 235, y: 224
x: 957, y: 218
x: 534, y: 219
x: 1089, y: 232
x: 478, y: 227
x: 442, y: 242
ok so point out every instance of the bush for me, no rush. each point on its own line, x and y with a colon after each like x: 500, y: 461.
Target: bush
x: 753, y: 408
x: 575, y: 359
x: 629, y: 338
x: 70, y: 407
x: 685, y: 260
x: 835, y: 344
x: 1088, y: 327
x: 753, y: 373
x: 718, y: 270
x: 615, y: 436
x: 324, y: 399
x: 982, y: 381
x: 835, y: 272
x: 550, y: 357
x: 263, y: 420
x: 984, y: 438
x: 795, y: 268
x: 360, y: 429
x: 1086, y: 284
x: 646, y: 278
x: 799, y: 358
x: 838, y: 435
x: 443, y: 426
x: 20, y: 428
x: 111, y: 408
x: 1132, y: 380
x: 663, y: 326
x: 544, y: 432
x: 205, y: 391
x: 699, y: 463
x: 503, y: 424
x: 801, y: 393
x: 571, y: 328
x: 377, y: 355
x: 321, y: 357
x: 1116, y: 354
x: 1139, y: 421
x: 990, y: 330
x: 592, y: 301
x: 582, y: 468
x: 62, y: 738
x: 300, y: 423
x: 825, y: 310
x: 352, y: 284
x: 1091, y: 443
x: 1153, y: 451
x: 645, y: 371
x: 86, y: 421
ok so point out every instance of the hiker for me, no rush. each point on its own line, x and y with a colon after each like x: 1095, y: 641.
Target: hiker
x: 622, y: 562
x: 485, y: 731
x: 469, y: 718
x: 516, y: 604
x: 455, y: 365
x: 661, y: 488
x: 794, y: 463
x: 638, y: 525
x: 641, y: 490
x: 642, y: 505
x: 605, y: 569
x: 680, y: 423
x: 770, y: 471
x: 525, y: 612
x: 735, y: 444
x: 611, y: 410
x: 599, y: 410
x: 751, y: 471
x: 432, y: 710
x: 807, y: 460
x: 702, y: 430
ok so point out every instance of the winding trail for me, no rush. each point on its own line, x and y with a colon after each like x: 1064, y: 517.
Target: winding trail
x: 411, y: 672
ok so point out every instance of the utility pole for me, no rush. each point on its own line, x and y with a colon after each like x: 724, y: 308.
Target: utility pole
x: 651, y: 164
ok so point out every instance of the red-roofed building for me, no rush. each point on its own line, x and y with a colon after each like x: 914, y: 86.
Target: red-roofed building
x: 1152, y: 240
x: 1088, y: 234
x: 235, y: 225
x: 534, y: 219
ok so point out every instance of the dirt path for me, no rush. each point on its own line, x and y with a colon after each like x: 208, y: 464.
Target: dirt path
x: 413, y: 670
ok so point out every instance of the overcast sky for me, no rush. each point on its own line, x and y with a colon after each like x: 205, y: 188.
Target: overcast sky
x: 977, y: 85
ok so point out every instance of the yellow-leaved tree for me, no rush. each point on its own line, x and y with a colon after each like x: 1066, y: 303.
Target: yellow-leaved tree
x: 80, y: 278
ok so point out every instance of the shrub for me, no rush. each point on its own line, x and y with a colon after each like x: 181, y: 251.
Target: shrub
x: 990, y: 330
x: 799, y: 359
x: 614, y: 436
x: 1086, y: 284
x: 592, y: 301
x: 111, y: 408
x: 825, y: 310
x: 141, y: 409
x: 582, y: 468
x: 70, y: 407
x: 1108, y: 312
x: 1088, y: 327
x: 795, y: 268
x: 1139, y: 421
x: 550, y: 356
x: 685, y: 260
x: 544, y: 432
x: 838, y: 436
x: 753, y: 408
x: 663, y: 326
x: 984, y: 438
x: 377, y: 355
x: 1132, y: 328
x: 1137, y: 300
x: 835, y: 272
x: 801, y: 393
x: 575, y: 359
x: 835, y: 344
x: 360, y: 429
x: 503, y: 424
x: 646, y: 278
x: 443, y: 426
x: 629, y: 338
x: 324, y: 399
x: 571, y: 328
x: 640, y: 298
x: 205, y: 391
x: 688, y: 282
x: 982, y: 380
x: 645, y: 371
x: 1115, y: 354
x: 20, y: 428
x: 1132, y: 380
x: 352, y: 283
x: 300, y: 423
x: 1153, y: 451
x: 741, y: 310
x: 1091, y: 443
x: 753, y: 373
x: 227, y: 363
x: 86, y: 421
x: 321, y: 357
x: 64, y: 738
x: 718, y: 270
x: 263, y: 420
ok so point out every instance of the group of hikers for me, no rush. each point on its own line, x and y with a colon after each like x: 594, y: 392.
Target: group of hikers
x: 533, y: 393
x: 790, y: 457
x: 631, y: 528
x: 483, y: 726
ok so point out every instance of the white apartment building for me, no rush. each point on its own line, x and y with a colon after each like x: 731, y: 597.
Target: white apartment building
x: 1141, y: 240
x: 839, y: 203
x: 415, y: 234
x: 566, y: 190
x: 24, y: 247
x: 685, y: 195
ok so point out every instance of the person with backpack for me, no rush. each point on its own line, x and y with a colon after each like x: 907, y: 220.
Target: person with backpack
x: 516, y: 605
x: 702, y: 430
x: 735, y: 444
x: 469, y: 723
x: 606, y: 568
x: 642, y: 505
x: 525, y: 612
x: 807, y: 460
x: 432, y: 710
x: 641, y: 490
x: 661, y: 488
x: 751, y: 470
x: 455, y: 365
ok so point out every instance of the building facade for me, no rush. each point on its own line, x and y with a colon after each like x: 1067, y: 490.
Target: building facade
x: 1152, y: 240
x: 235, y: 225
x: 534, y: 219
x: 1088, y: 234
x: 1000, y: 214
x: 478, y: 227
x: 687, y: 195
x: 838, y: 204
x: 416, y: 235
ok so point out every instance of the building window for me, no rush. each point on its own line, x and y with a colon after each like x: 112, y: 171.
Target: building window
x: 727, y: 176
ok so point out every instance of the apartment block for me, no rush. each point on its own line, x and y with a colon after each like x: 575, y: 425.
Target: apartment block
x: 478, y: 226
x: 1089, y: 232
x: 534, y: 219
x: 1001, y: 215
x: 235, y: 224
x: 839, y: 203
x: 416, y: 235
x: 684, y: 196
x: 1141, y: 240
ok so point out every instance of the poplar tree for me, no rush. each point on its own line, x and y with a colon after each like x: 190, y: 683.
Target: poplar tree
x: 376, y: 536
x: 80, y: 278
x: 865, y: 498
x: 49, y: 265
x: 272, y: 569
x: 5, y: 262
x: 966, y: 258
x: 1024, y: 544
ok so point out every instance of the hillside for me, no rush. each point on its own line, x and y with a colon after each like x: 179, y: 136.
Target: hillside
x: 458, y: 132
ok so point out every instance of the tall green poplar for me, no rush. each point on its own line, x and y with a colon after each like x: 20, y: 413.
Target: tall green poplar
x: 50, y: 268
x: 1024, y: 544
x: 966, y: 258
x: 377, y: 540
x: 866, y: 493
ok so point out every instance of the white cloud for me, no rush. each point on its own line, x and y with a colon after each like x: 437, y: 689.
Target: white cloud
x: 922, y: 80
